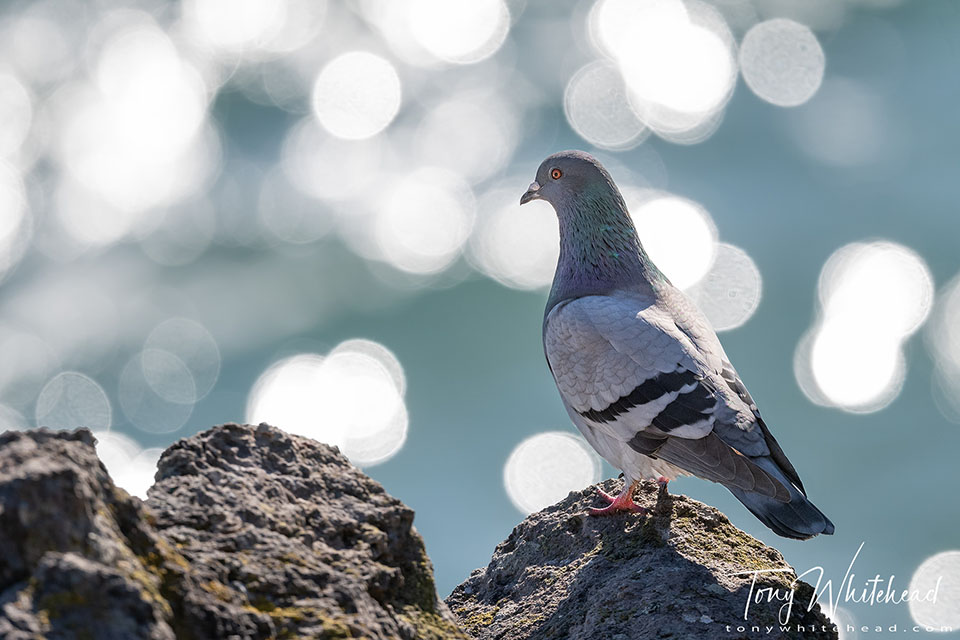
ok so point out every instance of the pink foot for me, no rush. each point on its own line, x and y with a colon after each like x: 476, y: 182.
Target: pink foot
x: 606, y: 496
x: 622, y: 502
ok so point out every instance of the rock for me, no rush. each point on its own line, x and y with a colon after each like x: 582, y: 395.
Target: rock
x: 76, y: 554
x: 286, y: 537
x: 253, y: 533
x: 248, y: 533
x: 562, y: 574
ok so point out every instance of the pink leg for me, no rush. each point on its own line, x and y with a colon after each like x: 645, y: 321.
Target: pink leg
x: 622, y: 502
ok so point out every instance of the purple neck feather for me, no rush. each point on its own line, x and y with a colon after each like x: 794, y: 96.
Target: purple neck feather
x: 599, y: 249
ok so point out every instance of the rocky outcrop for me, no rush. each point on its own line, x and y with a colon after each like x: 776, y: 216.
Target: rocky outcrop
x: 253, y: 533
x: 672, y: 574
x: 248, y: 533
x: 77, y: 555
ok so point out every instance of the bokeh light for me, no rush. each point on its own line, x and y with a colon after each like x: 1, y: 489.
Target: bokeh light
x: 861, y: 371
x: 328, y: 168
x: 873, y: 296
x: 945, y: 327
x: 462, y: 31
x: 544, y: 468
x: 130, y: 467
x: 29, y: 362
x: 884, y: 281
x: 285, y: 396
x: 381, y: 354
x: 133, y: 138
x: 782, y: 62
x: 74, y: 314
x: 677, y: 59
x: 39, y: 41
x: 11, y: 419
x: 356, y: 95
x: 847, y: 627
x: 353, y: 398
x: 392, y: 22
x: 423, y: 220
x: 678, y: 234
x: 168, y: 376
x: 190, y: 343
x: 16, y: 113
x: 473, y: 134
x: 14, y: 217
x: 290, y: 215
x: 940, y: 572
x: 694, y: 133
x: 596, y: 105
x: 157, y: 391
x: 945, y: 389
x: 943, y: 343
x: 72, y: 400
x: 729, y: 293
x: 517, y: 247
x: 234, y: 26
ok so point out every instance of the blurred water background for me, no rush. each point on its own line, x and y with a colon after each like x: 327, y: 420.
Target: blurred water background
x: 305, y: 212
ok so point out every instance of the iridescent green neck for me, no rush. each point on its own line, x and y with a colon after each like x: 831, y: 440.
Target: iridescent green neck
x: 599, y: 249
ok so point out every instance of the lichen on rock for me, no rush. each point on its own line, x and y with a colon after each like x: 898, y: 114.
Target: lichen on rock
x: 72, y: 546
x: 287, y: 538
x: 679, y: 572
x: 248, y: 533
x: 253, y: 533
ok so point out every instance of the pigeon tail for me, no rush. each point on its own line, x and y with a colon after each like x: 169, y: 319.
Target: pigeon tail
x: 798, y: 518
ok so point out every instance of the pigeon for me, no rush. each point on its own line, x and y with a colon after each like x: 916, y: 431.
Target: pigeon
x: 640, y: 370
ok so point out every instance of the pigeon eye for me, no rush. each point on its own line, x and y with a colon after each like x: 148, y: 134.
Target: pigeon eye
x: 556, y: 174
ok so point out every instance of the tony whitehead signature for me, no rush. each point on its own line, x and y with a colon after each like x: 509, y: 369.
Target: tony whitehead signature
x: 873, y: 591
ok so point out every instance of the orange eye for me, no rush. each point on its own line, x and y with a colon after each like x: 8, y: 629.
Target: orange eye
x: 556, y: 174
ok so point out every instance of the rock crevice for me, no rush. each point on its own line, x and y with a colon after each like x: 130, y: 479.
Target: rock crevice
x: 253, y: 533
x: 248, y: 533
x: 684, y: 571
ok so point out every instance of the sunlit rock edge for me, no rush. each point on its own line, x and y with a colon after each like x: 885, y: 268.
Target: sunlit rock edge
x: 670, y: 574
x: 250, y: 532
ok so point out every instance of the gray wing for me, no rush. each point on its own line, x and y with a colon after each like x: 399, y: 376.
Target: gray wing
x: 650, y: 373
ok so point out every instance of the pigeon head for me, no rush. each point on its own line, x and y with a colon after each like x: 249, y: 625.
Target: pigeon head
x: 599, y: 247
x: 571, y: 177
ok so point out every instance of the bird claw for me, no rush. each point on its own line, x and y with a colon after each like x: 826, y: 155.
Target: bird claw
x: 622, y: 502
x: 606, y: 496
x: 613, y: 510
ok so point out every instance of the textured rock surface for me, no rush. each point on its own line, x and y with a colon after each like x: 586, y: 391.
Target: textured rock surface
x: 76, y: 554
x: 292, y: 540
x: 249, y: 533
x: 253, y: 533
x: 562, y: 574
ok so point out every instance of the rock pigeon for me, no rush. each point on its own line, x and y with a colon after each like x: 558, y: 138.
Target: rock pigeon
x: 641, y: 372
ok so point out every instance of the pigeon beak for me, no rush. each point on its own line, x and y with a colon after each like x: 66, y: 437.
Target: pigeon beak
x: 533, y: 193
